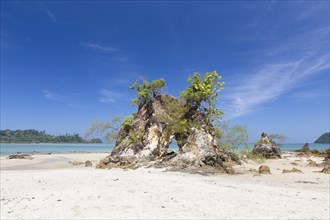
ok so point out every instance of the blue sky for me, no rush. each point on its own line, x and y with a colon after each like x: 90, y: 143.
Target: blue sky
x: 64, y: 64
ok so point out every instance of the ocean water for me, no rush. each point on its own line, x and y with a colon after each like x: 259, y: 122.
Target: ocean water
x: 6, y: 149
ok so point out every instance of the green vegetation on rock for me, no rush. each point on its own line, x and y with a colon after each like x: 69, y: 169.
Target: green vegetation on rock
x: 203, y: 92
x: 147, y: 90
x: 197, y: 108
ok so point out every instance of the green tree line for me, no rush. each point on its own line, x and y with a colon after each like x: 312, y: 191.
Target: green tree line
x: 34, y: 136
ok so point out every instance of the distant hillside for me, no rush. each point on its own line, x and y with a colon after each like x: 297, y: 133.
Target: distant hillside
x: 323, y: 139
x: 34, y: 136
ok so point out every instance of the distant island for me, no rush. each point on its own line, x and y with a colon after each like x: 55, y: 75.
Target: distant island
x: 34, y: 136
x: 323, y: 139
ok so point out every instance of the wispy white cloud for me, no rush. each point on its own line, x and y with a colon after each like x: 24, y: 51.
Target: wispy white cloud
x: 108, y: 96
x: 99, y: 48
x: 52, y: 96
x: 50, y: 15
x: 47, y: 12
x: 271, y: 80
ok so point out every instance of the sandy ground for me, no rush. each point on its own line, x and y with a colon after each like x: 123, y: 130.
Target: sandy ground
x: 48, y: 187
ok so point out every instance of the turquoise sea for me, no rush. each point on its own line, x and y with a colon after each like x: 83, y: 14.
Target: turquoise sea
x: 6, y: 149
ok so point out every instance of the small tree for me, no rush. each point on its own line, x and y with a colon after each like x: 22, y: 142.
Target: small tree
x: 147, y: 90
x: 202, y: 93
x: 231, y: 137
x: 108, y: 130
x: 278, y: 137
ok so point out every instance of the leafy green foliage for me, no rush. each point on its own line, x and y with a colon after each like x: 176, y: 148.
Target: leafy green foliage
x: 175, y: 120
x: 201, y: 96
x: 231, y: 138
x: 135, y: 137
x: 128, y: 122
x: 34, y: 136
x: 147, y: 90
x: 203, y: 92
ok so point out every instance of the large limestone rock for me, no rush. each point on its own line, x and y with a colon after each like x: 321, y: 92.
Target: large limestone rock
x: 147, y: 140
x: 267, y: 148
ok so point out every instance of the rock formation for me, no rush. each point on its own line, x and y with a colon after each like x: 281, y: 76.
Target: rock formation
x: 305, y: 149
x: 267, y: 148
x: 88, y: 163
x: 146, y: 140
x: 263, y: 169
x: 293, y: 170
x: 20, y: 156
x: 326, y: 170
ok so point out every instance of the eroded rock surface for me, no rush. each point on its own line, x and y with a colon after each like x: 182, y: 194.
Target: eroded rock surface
x: 293, y: 170
x: 147, y: 140
x: 263, y: 169
x: 20, y: 156
x: 305, y: 150
x: 88, y: 163
x: 267, y: 148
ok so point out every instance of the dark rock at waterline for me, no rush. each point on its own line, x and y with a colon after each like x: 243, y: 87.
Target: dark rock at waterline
x: 327, y: 153
x: 20, y: 156
x: 305, y: 149
x: 270, y: 151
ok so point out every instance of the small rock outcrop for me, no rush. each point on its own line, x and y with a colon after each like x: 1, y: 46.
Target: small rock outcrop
x: 327, y: 157
x: 267, y: 148
x: 76, y: 163
x: 293, y: 170
x: 263, y: 169
x: 88, y: 163
x: 20, y: 156
x: 305, y: 149
x: 312, y: 163
x: 145, y: 141
x: 326, y: 170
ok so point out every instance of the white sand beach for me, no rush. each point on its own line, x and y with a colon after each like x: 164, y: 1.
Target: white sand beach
x: 48, y: 187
